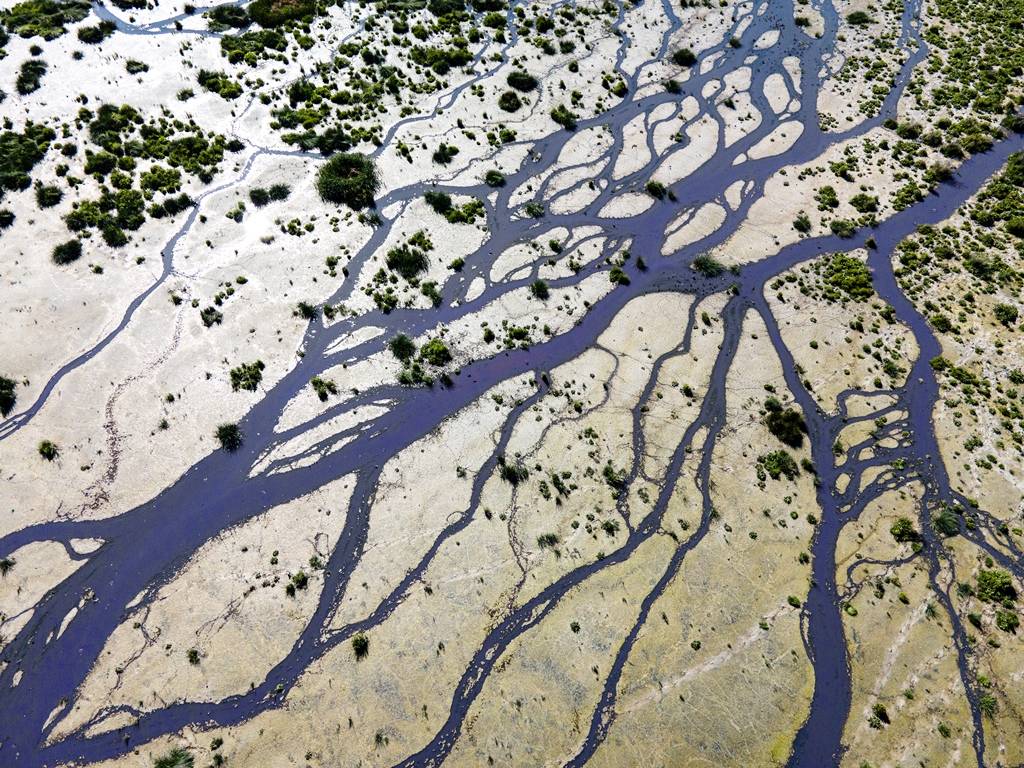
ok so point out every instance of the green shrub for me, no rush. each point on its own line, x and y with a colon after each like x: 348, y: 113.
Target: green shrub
x: 229, y: 436
x: 564, y: 117
x: 1008, y: 621
x: 708, y: 266
x: 8, y: 395
x: 441, y: 202
x: 323, y: 387
x: 349, y: 179
x: 547, y: 540
x: 539, y: 289
x: 521, y: 81
x: 176, y: 758
x: 435, y: 352
x: 656, y: 189
x: 247, y: 376
x: 48, y: 196
x: 778, y: 463
x: 210, y: 316
x: 509, y: 101
x: 406, y: 260
x: 360, y: 645
x: 402, y: 347
x: 995, y: 586
x: 946, y: 523
x: 48, y: 450
x: 988, y: 705
x: 30, y: 76
x: 843, y: 228
x: 684, y: 57
x: 229, y: 16
x: 65, y: 253
x: 903, y: 530
x: 864, y: 203
x: 219, y: 83
x: 444, y: 153
x: 1006, y: 314
x: 494, y: 179
x: 97, y: 34
x: 45, y: 18
x: 786, y: 424
x: 850, y: 276
x: 272, y: 13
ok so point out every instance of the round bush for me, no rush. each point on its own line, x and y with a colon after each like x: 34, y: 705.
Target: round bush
x: 684, y: 57
x: 348, y: 178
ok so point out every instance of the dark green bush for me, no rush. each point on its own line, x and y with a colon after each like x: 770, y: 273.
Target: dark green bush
x: 219, y: 83
x: 229, y: 436
x: 441, y: 202
x: 65, y: 253
x: 708, y: 266
x: 229, y: 16
x: 995, y: 586
x: 272, y: 13
x: 435, y: 352
x: 406, y: 260
x: 946, y: 523
x: 360, y: 645
x: 903, y: 530
x: 323, y: 387
x: 30, y: 76
x: 349, y: 179
x: 564, y: 117
x: 786, y: 424
x: 444, y: 153
x: 778, y: 463
x: 402, y: 347
x: 210, y: 316
x: 45, y: 18
x: 849, y: 275
x: 176, y: 758
x: 48, y: 196
x: 509, y: 101
x: 97, y: 34
x: 684, y: 57
x: 521, y: 81
x: 843, y: 228
x: 247, y: 376
x: 8, y: 395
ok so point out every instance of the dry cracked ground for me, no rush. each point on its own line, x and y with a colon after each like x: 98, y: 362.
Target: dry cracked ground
x: 506, y: 383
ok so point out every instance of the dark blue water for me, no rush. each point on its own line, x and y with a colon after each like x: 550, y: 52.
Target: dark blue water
x: 144, y: 547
